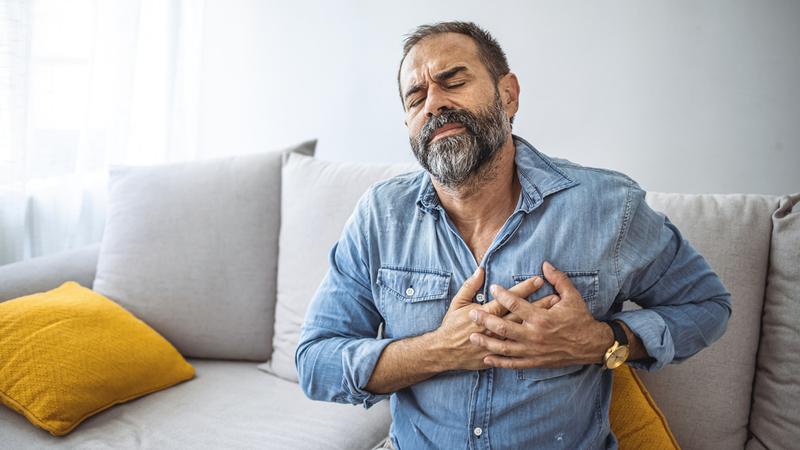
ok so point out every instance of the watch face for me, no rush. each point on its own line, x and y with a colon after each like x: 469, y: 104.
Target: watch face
x: 618, y: 357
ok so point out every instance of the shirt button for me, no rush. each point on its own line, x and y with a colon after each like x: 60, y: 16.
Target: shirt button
x: 477, y: 431
x: 480, y: 298
x: 410, y: 291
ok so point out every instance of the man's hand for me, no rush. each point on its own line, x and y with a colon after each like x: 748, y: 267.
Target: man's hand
x: 564, y: 334
x: 456, y: 328
x: 408, y: 361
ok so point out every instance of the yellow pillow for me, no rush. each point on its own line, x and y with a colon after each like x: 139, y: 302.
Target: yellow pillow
x: 69, y: 353
x: 635, y: 419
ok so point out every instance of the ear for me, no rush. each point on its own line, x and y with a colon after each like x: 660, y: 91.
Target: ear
x: 508, y: 85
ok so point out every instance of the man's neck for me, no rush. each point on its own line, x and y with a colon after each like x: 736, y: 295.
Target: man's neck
x: 487, y: 199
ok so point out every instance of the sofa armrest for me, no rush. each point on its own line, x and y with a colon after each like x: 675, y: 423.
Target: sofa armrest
x: 47, y: 272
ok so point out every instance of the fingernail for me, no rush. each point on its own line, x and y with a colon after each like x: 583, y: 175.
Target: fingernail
x: 537, y: 282
x: 473, y: 314
x: 474, y: 338
x: 548, y: 266
x: 475, y: 274
x: 493, y: 289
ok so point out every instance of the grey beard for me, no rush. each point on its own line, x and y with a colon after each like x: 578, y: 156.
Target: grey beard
x: 456, y: 161
x: 451, y: 160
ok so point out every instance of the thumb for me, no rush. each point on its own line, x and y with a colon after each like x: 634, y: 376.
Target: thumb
x: 468, y: 290
x: 560, y: 281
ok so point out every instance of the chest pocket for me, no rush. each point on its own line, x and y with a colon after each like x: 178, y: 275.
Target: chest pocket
x: 413, y: 300
x: 587, y: 283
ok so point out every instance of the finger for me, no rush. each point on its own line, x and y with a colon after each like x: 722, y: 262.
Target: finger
x: 498, y: 346
x: 527, y: 286
x: 522, y: 289
x: 497, y: 325
x: 559, y: 280
x: 519, y: 306
x: 494, y: 307
x: 546, y: 302
x: 509, y: 362
x: 468, y: 290
x: 513, y: 317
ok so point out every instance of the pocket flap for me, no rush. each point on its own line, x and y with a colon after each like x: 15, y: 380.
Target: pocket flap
x: 586, y: 282
x: 414, y: 285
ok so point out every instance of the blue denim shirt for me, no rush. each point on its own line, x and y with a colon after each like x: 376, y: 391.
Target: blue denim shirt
x: 400, y: 259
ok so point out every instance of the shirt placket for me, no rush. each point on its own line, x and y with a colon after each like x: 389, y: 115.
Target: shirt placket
x: 480, y: 409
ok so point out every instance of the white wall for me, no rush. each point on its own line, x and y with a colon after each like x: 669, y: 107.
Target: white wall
x: 684, y: 96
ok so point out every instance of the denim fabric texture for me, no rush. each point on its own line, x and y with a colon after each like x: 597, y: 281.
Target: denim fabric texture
x: 400, y: 259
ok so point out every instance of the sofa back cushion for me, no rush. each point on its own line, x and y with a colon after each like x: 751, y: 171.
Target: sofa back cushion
x: 318, y: 198
x: 775, y: 421
x: 707, y: 397
x: 191, y: 248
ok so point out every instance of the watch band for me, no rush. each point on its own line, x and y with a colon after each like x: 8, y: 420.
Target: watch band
x: 619, y: 333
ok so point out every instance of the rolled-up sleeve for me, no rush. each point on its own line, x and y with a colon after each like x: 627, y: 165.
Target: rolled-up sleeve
x: 684, y: 305
x: 338, y: 347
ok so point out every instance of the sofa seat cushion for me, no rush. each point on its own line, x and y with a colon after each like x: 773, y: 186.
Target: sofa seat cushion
x: 229, y: 404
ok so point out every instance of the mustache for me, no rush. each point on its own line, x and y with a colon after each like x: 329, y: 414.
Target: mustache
x: 464, y: 117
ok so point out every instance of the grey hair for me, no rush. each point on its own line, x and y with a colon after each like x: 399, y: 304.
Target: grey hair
x: 489, y: 52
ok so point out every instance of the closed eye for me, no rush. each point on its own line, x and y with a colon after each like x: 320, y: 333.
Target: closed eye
x: 449, y: 86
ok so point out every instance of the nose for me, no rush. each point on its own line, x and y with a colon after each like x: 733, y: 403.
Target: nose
x: 436, y: 101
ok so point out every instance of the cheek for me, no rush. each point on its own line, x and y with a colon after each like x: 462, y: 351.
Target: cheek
x: 414, y: 126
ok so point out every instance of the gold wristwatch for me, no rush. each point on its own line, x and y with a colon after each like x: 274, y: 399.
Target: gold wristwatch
x: 618, y: 353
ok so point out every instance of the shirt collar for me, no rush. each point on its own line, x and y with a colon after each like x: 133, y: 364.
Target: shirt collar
x: 538, y: 175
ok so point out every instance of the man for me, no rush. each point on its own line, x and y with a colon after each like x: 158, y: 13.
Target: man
x: 541, y: 253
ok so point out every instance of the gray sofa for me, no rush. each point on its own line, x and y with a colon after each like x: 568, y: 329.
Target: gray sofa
x: 742, y: 392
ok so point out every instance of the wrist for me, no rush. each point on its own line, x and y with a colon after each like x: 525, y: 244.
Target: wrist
x: 634, y: 343
x: 437, y: 352
x: 604, y: 339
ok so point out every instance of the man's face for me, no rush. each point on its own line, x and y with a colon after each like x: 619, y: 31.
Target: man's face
x: 454, y: 111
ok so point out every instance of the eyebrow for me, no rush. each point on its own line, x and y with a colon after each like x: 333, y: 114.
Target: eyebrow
x: 449, y: 73
x: 439, y: 77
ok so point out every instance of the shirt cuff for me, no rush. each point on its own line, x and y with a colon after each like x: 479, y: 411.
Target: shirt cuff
x: 652, y: 330
x: 359, y: 362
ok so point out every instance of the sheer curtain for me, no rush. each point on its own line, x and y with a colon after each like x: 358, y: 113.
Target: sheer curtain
x: 85, y: 84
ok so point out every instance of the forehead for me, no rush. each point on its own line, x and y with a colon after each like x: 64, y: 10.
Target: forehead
x: 440, y: 52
